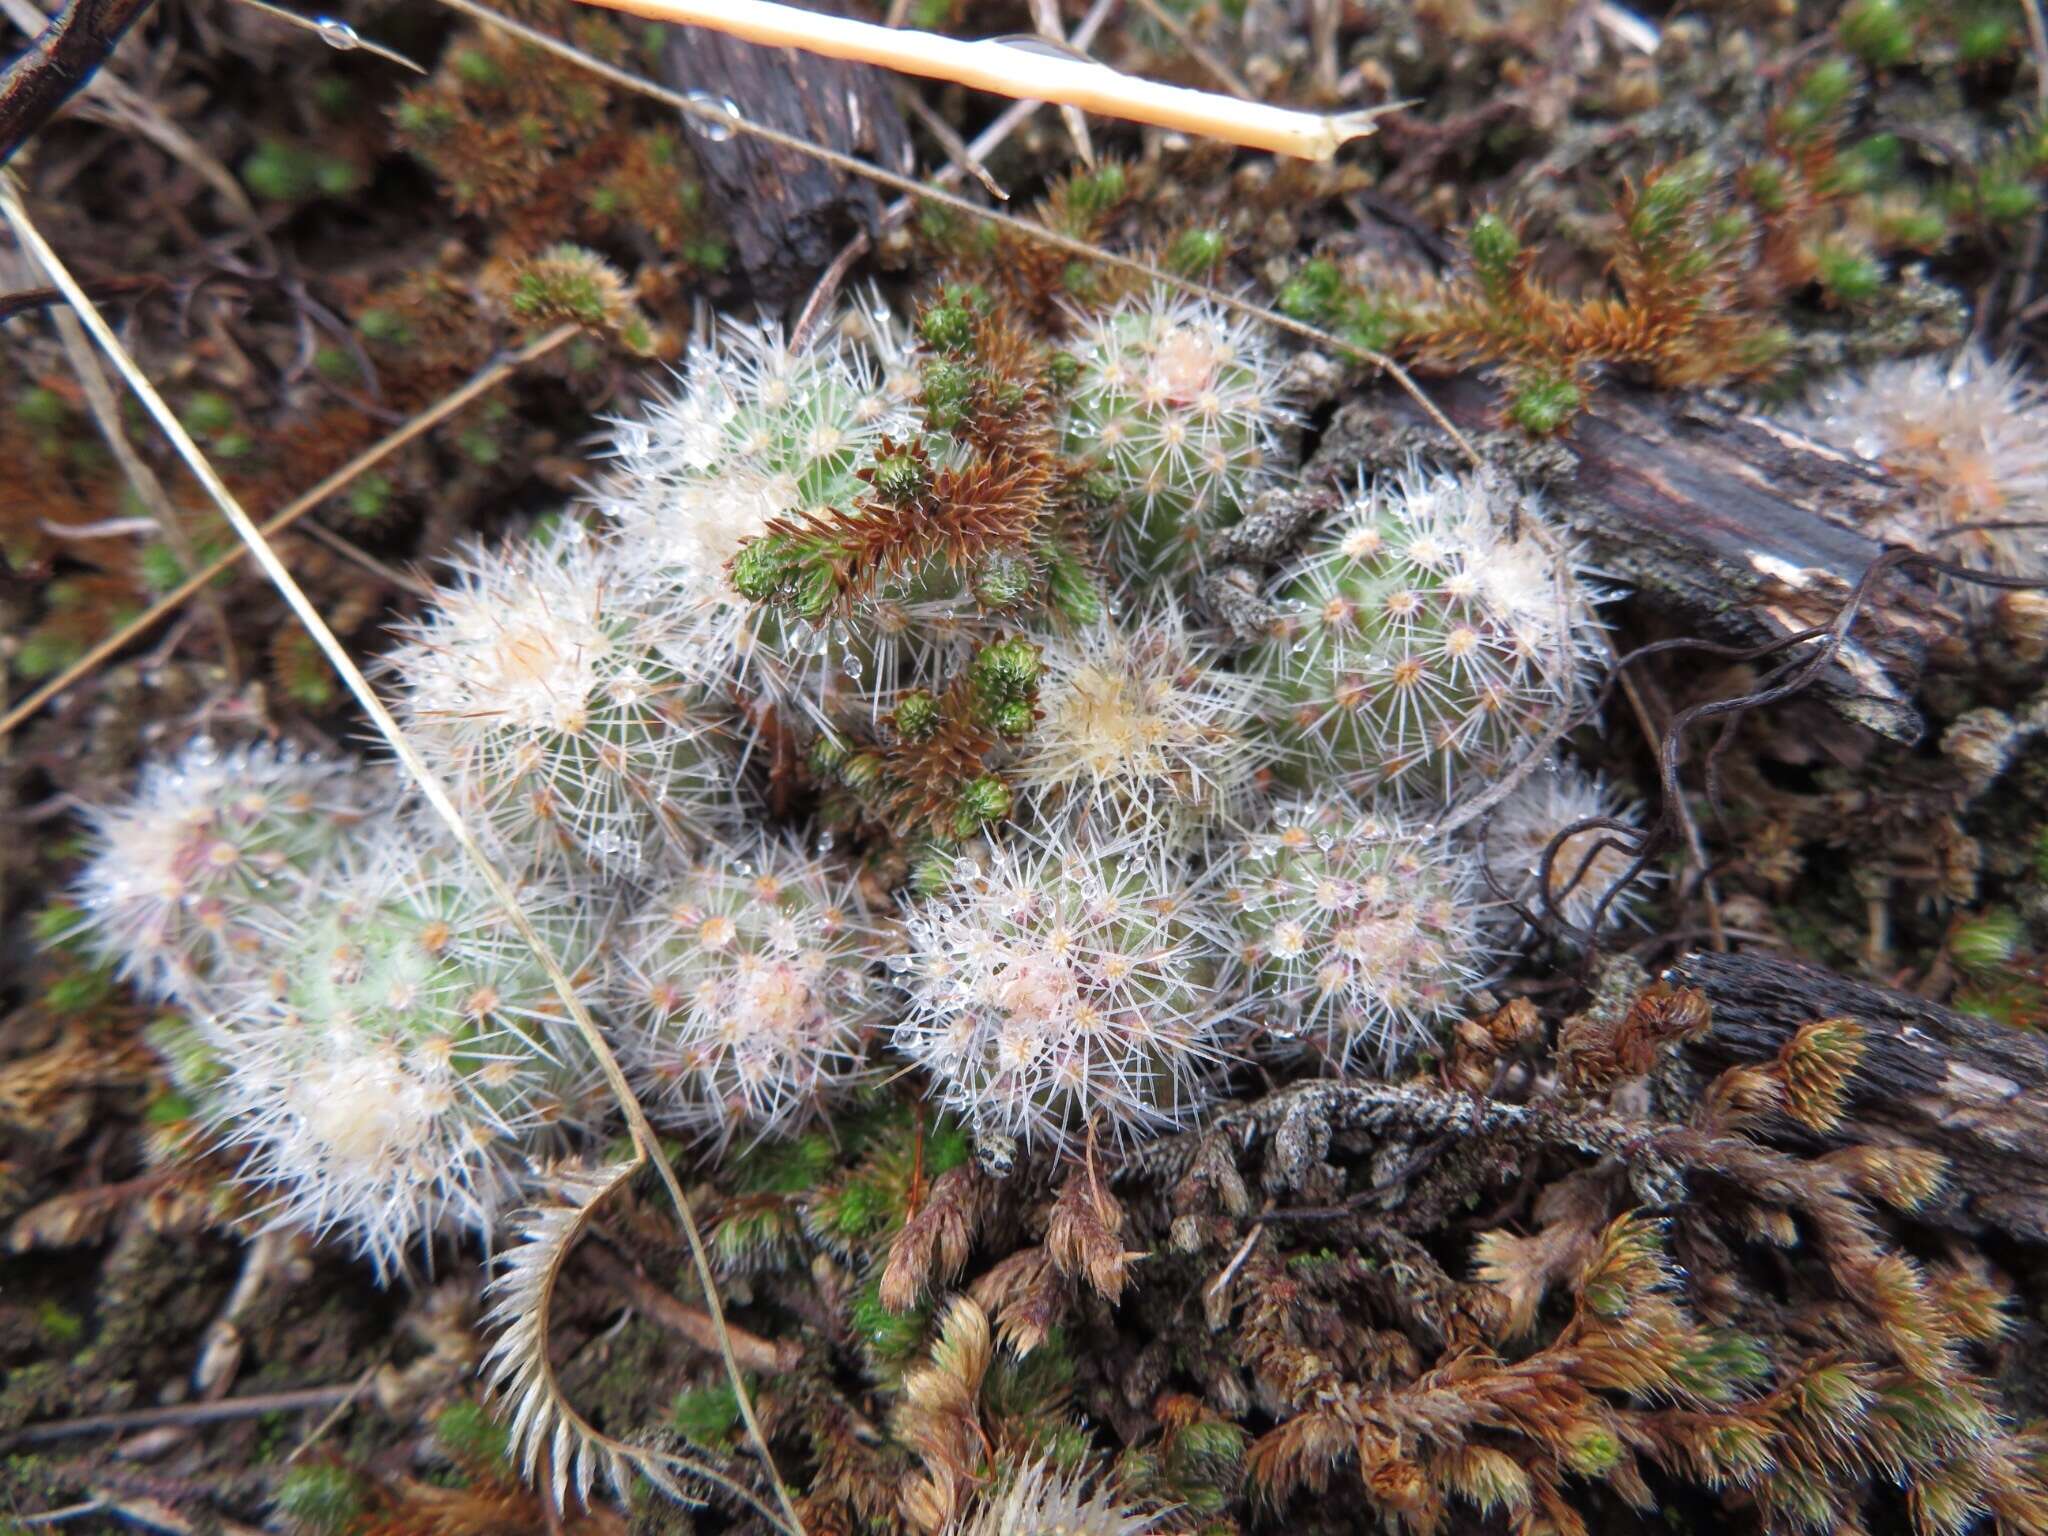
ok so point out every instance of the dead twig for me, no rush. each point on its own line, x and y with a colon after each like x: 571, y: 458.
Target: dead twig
x: 691, y: 1323
x: 60, y: 61
x: 181, y: 1413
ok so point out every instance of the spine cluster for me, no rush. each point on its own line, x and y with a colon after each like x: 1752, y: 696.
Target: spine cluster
x: 919, y: 595
x: 1424, y: 637
x: 1356, y: 931
x: 745, y: 989
x: 1062, y: 987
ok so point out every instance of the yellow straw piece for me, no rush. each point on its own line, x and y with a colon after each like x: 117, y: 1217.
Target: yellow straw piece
x: 1023, y: 72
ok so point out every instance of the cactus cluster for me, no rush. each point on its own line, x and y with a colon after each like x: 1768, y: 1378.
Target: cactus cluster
x: 1966, y: 437
x: 872, y: 712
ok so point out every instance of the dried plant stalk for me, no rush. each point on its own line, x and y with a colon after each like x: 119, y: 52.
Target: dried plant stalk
x: 1022, y: 73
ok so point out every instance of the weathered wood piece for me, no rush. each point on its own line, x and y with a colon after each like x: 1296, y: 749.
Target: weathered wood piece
x: 1970, y: 1089
x: 788, y: 213
x: 1743, y: 528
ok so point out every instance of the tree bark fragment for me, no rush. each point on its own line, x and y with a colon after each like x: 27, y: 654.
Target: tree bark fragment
x: 788, y: 213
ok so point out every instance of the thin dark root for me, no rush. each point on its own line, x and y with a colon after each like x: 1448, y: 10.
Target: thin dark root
x: 1790, y: 678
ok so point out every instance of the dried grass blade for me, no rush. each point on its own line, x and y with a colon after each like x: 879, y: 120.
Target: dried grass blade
x: 646, y: 1144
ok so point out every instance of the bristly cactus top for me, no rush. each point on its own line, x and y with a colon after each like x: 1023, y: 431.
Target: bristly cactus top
x: 1176, y: 401
x: 1359, y: 935
x: 552, y: 688
x: 1142, y: 724
x: 1588, y: 865
x: 1064, y: 986
x: 1968, y: 439
x: 744, y: 989
x: 1426, y: 635
x: 177, y: 867
x: 398, y: 1051
x: 757, y: 430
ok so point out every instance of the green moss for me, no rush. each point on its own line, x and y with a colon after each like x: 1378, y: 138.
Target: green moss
x: 335, y: 364
x: 948, y: 325
x: 423, y: 121
x: 892, y: 1338
x: 1091, y: 195
x: 320, y: 1499
x: 209, y: 413
x: 42, y: 654
x: 1983, y: 35
x: 479, y: 447
x: 336, y: 177
x: 853, y: 1211
x: 563, y: 285
x: 1080, y: 279
x: 78, y: 992
x: 57, y: 923
x: 467, y: 1433
x: 1723, y: 1364
x: 1543, y: 405
x: 61, y: 1326
x: 1196, y: 251
x: 382, y: 325
x: 159, y: 567
x: 1921, y: 229
x: 369, y: 496
x: 477, y: 68
x: 1986, y: 940
x: 707, y: 1416
x: 1592, y: 1452
x: 1879, y: 32
x: 1495, y: 248
x: 1824, y: 92
x: 706, y: 253
x: 333, y: 95
x: 2004, y: 198
x: 788, y: 1167
x: 1850, y: 276
x: 42, y: 410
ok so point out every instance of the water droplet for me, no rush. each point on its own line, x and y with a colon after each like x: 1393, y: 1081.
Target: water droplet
x: 711, y: 129
x: 336, y: 33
